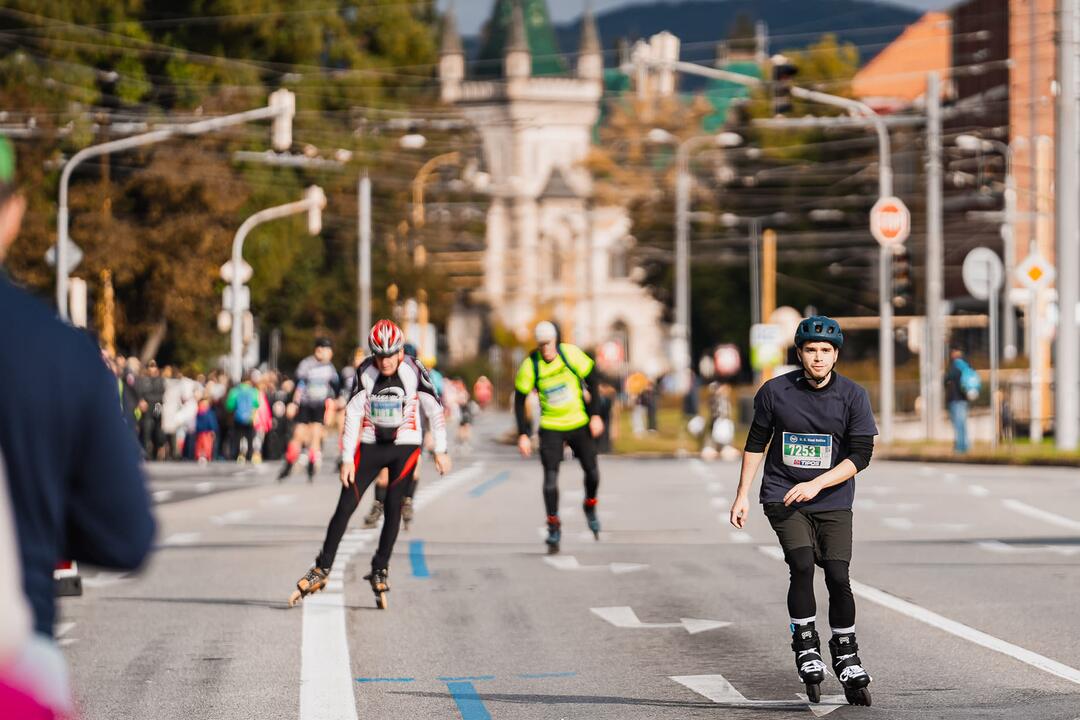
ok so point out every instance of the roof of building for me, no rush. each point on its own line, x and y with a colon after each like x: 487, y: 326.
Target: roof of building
x: 538, y: 34
x: 896, y: 77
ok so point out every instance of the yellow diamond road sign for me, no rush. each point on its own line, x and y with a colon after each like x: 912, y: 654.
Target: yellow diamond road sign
x: 1035, y: 272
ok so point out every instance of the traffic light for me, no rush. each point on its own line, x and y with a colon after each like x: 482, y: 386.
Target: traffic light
x: 782, y: 74
x: 902, y: 285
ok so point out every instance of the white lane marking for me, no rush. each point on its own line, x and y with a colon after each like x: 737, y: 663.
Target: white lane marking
x: 1034, y: 512
x: 702, y: 469
x: 326, y: 684
x: 876, y: 489
x: 962, y: 631
x: 978, y: 490
x: 204, y: 487
x: 871, y: 504
x: 720, y: 503
x: 104, y: 579
x: 898, y: 523
x: 63, y: 629
x: 231, y: 517
x: 162, y: 495
x: 625, y: 617
x: 951, y: 477
x: 997, y: 546
x: 739, y: 536
x: 176, y: 539
x: 772, y: 551
x: 569, y: 562
x: 720, y: 691
x: 277, y: 500
x: 715, y: 488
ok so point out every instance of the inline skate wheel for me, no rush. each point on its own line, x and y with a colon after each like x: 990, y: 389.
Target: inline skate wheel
x: 858, y: 697
x: 813, y: 692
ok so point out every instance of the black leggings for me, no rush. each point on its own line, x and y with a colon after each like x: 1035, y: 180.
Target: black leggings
x: 400, y: 461
x: 800, y: 599
x: 551, y: 455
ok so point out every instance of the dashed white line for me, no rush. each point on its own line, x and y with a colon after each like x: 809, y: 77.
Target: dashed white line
x: 177, y: 539
x: 161, y: 496
x: 204, y: 487
x: 978, y: 490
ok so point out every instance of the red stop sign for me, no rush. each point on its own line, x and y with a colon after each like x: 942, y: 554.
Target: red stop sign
x: 890, y: 221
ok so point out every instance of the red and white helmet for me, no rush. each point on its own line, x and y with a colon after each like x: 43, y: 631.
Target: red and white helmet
x: 386, y: 338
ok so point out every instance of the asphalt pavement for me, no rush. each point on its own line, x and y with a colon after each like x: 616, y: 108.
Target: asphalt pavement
x: 966, y: 580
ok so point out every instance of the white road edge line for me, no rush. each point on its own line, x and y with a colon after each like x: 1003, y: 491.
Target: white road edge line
x: 1034, y: 512
x: 931, y: 618
x: 326, y: 684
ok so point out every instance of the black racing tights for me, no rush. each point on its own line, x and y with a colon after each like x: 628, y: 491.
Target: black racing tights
x: 551, y: 455
x: 800, y: 599
x: 399, y: 461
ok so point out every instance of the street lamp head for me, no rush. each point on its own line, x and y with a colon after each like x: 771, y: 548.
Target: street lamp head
x: 969, y: 142
x: 413, y: 141
x: 729, y: 219
x: 316, y: 199
x: 660, y: 136
x: 729, y: 139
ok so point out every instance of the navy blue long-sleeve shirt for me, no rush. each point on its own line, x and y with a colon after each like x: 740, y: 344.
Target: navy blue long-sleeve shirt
x: 77, y: 489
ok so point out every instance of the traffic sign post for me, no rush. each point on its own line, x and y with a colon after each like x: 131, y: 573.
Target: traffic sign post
x: 890, y: 224
x: 984, y: 275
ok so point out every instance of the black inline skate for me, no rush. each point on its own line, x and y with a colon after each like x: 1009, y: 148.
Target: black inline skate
x: 848, y: 668
x: 554, y: 528
x: 590, y: 516
x: 380, y: 585
x: 807, y: 646
x: 313, y: 581
x: 372, y: 518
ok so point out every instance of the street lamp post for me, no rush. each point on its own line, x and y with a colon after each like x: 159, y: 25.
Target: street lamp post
x: 281, y: 109
x: 313, y: 203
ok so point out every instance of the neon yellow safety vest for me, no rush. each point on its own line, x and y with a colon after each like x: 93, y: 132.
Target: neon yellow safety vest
x: 562, y: 398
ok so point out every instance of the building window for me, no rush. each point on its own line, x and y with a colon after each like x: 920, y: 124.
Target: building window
x: 618, y: 266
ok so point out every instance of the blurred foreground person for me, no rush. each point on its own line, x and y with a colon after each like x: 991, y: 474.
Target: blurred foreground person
x: 77, y: 492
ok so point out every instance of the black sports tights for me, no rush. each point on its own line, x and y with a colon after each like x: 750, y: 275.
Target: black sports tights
x: 800, y: 599
x: 551, y: 455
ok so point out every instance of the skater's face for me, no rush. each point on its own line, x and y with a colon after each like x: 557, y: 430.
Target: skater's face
x: 549, y: 350
x: 323, y: 354
x: 388, y: 364
x: 818, y: 359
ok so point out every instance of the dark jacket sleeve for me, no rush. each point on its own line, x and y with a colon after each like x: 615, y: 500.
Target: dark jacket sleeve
x: 861, y: 449
x: 761, y: 428
x: 592, y: 385
x: 519, y: 413
x: 109, y: 522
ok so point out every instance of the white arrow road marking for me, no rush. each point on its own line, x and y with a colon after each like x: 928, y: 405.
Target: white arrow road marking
x: 569, y: 562
x: 1004, y: 548
x: 625, y: 617
x: 720, y: 691
x: 1034, y: 512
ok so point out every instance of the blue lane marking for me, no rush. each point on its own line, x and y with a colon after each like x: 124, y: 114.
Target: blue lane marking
x: 468, y: 701
x: 416, y: 557
x: 468, y: 678
x: 543, y: 676
x: 489, y: 484
x: 386, y: 679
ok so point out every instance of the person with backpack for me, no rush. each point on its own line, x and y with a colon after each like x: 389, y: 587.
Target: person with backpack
x: 243, y: 403
x: 962, y: 386
x: 562, y: 375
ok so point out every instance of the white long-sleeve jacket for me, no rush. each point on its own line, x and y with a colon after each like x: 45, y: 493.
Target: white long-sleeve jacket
x: 387, y: 409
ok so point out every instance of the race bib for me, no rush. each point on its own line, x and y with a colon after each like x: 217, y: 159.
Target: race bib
x: 558, y: 395
x: 387, y: 409
x: 808, y: 451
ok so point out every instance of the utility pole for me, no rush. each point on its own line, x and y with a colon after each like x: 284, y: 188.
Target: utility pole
x: 1067, y: 227
x: 363, y: 259
x: 935, y: 261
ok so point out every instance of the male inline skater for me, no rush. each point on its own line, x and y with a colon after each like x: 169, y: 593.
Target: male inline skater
x: 820, y: 432
x: 382, y: 430
x: 562, y: 374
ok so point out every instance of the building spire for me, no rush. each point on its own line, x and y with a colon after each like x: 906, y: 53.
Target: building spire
x: 451, y: 40
x: 590, y: 37
x: 518, y: 40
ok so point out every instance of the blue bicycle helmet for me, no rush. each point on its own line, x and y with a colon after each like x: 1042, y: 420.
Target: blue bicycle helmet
x: 819, y: 328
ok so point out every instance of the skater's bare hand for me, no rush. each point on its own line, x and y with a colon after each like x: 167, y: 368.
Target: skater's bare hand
x: 443, y: 463
x: 348, y: 473
x: 524, y: 446
x: 739, y: 510
x: 803, y: 492
x: 596, y: 426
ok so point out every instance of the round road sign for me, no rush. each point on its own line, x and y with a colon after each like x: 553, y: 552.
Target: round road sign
x: 982, y: 273
x: 890, y: 221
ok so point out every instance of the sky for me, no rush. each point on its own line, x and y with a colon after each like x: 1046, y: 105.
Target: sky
x: 472, y: 13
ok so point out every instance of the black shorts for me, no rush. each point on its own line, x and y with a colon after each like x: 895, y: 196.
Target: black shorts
x: 828, y: 532
x: 311, y: 413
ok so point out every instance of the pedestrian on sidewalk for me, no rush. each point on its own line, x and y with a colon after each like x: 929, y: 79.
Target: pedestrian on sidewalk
x: 961, y: 387
x: 73, y: 474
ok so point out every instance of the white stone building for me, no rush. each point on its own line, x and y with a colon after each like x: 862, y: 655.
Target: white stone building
x: 550, y: 252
